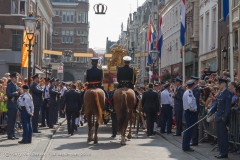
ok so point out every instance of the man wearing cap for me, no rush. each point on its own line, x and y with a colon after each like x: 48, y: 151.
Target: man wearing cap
x: 223, y: 111
x: 190, y: 108
x: 37, y: 101
x: 197, y: 94
x: 167, y: 106
x: 12, y: 94
x: 45, y: 109
x: 126, y: 76
x: 95, y: 76
x: 52, y: 101
x: 178, y: 106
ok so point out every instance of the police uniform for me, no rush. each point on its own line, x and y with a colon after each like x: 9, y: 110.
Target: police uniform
x: 52, y: 102
x: 178, y: 108
x: 27, y: 108
x: 12, y: 95
x: 95, y: 76
x: 36, y: 92
x: 223, y: 110
x: 126, y: 76
x: 190, y: 108
x: 196, y: 93
x: 167, y: 106
x: 45, y: 109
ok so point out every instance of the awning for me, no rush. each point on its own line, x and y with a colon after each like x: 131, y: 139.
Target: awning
x: 58, y: 53
x: 83, y: 55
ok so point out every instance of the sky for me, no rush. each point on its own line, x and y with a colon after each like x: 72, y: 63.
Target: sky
x: 109, y: 25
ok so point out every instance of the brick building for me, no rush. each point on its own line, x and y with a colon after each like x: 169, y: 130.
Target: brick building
x: 11, y: 32
x: 71, y: 30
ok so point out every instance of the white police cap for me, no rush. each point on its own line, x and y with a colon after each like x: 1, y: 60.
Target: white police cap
x: 127, y: 58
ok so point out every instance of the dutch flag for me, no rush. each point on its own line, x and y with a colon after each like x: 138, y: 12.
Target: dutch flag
x: 160, y: 38
x: 151, y: 38
x: 183, y: 20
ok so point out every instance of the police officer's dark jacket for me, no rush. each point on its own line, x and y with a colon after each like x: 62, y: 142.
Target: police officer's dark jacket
x: 37, y: 93
x: 126, y: 74
x: 178, y: 99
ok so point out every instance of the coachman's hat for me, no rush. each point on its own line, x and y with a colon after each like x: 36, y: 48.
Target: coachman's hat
x: 94, y: 59
x: 127, y: 58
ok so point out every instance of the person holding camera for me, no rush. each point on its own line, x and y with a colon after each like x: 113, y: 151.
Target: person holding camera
x: 27, y: 110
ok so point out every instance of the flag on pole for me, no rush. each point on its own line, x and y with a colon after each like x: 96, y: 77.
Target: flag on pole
x: 160, y: 38
x: 25, y: 49
x: 183, y: 22
x: 151, y: 38
x: 225, y: 4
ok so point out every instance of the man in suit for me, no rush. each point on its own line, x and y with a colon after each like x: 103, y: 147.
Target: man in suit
x: 12, y: 94
x: 126, y: 76
x: 45, y: 109
x: 196, y: 93
x: 178, y: 106
x: 73, y: 105
x: 150, y: 104
x: 95, y: 76
x: 37, y: 92
x: 223, y: 111
x: 52, y: 101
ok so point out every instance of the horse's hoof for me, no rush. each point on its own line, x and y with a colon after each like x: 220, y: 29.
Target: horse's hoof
x: 123, y: 144
x: 89, y: 140
x: 129, y: 136
x: 95, y: 142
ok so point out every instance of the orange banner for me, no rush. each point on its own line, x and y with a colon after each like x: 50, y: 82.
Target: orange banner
x: 25, y: 49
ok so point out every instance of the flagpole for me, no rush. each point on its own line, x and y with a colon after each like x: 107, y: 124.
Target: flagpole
x: 183, y: 65
x: 231, y: 41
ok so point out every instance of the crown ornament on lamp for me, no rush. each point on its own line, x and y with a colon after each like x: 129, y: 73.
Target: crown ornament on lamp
x: 96, y: 8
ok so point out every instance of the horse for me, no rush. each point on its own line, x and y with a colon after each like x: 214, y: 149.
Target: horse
x: 124, y: 100
x: 94, y: 104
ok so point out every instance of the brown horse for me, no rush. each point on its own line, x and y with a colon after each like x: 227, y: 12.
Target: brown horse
x: 124, y: 101
x: 94, y: 104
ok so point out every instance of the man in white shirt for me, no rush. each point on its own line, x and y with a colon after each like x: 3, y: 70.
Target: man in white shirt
x: 44, y: 109
x: 167, y: 106
x: 190, y: 108
x: 62, y: 91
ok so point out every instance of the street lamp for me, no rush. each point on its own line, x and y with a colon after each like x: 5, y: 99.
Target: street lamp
x: 131, y: 51
x: 224, y: 51
x: 30, y: 27
x: 47, y: 64
x: 154, y: 54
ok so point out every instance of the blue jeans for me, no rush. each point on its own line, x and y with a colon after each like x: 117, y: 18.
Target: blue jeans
x: 189, y: 117
x: 27, y: 126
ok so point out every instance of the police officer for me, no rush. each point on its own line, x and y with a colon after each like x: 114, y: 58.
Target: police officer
x: 36, y: 92
x: 113, y: 113
x: 223, y: 110
x: 167, y: 106
x: 196, y: 93
x: 95, y: 76
x: 190, y: 109
x: 150, y: 104
x: 52, y: 101
x: 27, y: 110
x: 45, y: 109
x: 126, y: 76
x: 12, y: 94
x: 178, y: 106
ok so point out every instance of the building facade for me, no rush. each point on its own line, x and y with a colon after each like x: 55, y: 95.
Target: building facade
x: 171, y: 58
x: 208, y: 35
x: 11, y: 33
x: 70, y: 33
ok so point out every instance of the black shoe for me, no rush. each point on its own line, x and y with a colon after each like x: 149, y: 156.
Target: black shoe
x: 71, y: 134
x: 75, y: 127
x: 113, y: 136
x: 193, y: 144
x: 154, y: 133
x: 52, y: 127
x: 162, y: 132
x: 188, y: 150
x: 217, y: 155
x: 11, y: 138
x: 221, y: 156
x: 36, y: 132
x: 149, y: 135
x: 176, y: 134
x: 21, y: 142
x: 81, y: 123
x: 169, y: 132
x: 42, y: 126
x: 16, y: 137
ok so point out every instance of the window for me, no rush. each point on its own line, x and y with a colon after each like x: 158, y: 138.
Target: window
x: 17, y: 40
x: 214, y: 31
x: 67, y: 17
x: 222, y: 58
x: 155, y: 15
x: 18, y: 7
x: 78, y: 33
x: 82, y: 17
x: 67, y: 36
x: 235, y: 3
x: 207, y: 45
x: 57, y: 13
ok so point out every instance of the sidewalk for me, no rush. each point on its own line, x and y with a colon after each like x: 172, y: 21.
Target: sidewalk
x: 11, y: 149
x: 202, y: 151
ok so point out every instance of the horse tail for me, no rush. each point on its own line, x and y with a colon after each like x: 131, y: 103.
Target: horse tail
x: 99, y: 109
x: 124, y: 112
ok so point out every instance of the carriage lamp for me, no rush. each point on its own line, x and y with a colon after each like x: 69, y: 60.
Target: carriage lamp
x: 30, y: 23
x: 224, y: 51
